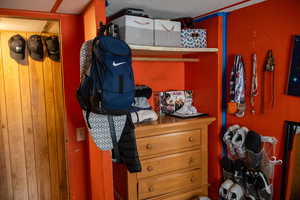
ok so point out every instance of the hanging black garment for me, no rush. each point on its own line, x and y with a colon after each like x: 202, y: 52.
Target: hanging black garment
x: 127, y: 149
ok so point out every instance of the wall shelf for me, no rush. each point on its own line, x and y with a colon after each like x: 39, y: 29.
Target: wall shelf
x: 156, y: 50
x: 161, y: 59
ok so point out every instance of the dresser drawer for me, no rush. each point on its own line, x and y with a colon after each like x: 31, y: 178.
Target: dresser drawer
x: 182, y: 196
x: 160, y: 185
x: 164, y: 164
x: 168, y: 142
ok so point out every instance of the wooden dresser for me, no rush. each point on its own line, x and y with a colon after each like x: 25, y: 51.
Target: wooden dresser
x: 173, y: 154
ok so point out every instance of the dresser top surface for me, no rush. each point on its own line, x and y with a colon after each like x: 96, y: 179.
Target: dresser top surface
x: 173, y: 121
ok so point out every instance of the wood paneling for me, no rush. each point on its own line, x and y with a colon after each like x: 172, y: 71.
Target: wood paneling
x: 32, y: 128
x: 29, y: 140
x: 6, y: 190
x: 14, y: 117
x: 59, y: 119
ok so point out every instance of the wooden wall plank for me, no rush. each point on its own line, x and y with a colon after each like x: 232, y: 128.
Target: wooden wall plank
x: 60, y: 129
x: 61, y: 139
x: 6, y: 191
x: 29, y: 143
x: 40, y: 128
x: 14, y: 119
x: 51, y: 127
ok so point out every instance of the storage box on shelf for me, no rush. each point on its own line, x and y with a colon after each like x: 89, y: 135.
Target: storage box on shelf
x: 167, y: 33
x: 193, y: 38
x: 135, y: 30
x: 173, y: 154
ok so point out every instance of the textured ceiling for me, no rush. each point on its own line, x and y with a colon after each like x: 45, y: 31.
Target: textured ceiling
x: 66, y: 6
x: 171, y: 8
x: 156, y: 8
x: 72, y: 6
x: 34, y: 5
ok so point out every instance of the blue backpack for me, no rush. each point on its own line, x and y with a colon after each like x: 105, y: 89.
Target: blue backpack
x: 110, y: 88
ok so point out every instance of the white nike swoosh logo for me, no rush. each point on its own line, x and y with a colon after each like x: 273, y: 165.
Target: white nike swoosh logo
x: 118, y: 64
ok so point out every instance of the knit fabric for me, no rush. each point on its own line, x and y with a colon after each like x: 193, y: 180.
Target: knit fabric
x: 100, y: 129
x: 85, y: 59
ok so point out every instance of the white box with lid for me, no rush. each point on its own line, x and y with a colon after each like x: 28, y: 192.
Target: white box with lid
x: 167, y: 33
x: 135, y: 30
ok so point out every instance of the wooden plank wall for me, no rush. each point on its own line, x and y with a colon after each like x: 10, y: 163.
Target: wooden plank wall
x: 32, y: 141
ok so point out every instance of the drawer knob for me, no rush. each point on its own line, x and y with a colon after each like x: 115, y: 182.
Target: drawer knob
x: 150, y: 168
x: 193, y: 179
x: 151, y: 189
x: 149, y: 146
x: 191, y: 139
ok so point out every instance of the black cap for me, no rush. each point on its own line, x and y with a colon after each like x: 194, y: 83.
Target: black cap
x: 52, y: 45
x: 17, y: 47
x: 35, y: 47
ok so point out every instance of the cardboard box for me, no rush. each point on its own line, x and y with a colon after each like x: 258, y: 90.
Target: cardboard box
x: 193, y: 38
x: 171, y: 101
x: 135, y: 30
x: 167, y: 33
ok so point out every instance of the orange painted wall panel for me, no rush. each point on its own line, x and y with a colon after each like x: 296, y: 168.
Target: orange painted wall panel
x: 255, y: 29
x: 77, y: 155
x: 160, y: 76
x: 100, y: 164
x: 89, y: 21
x: 205, y: 79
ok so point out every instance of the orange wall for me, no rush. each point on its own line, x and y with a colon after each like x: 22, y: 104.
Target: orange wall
x: 160, y: 76
x: 100, y: 164
x: 204, y: 78
x: 89, y: 22
x: 268, y: 25
x: 71, y: 30
x: 100, y: 171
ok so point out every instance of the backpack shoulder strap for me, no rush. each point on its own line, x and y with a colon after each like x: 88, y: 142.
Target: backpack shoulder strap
x: 96, y: 70
x: 87, y: 115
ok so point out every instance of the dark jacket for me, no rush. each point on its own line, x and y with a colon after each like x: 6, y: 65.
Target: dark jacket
x: 128, y: 153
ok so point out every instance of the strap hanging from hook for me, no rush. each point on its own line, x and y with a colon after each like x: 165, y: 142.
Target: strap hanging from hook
x: 254, y: 83
x: 269, y: 68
